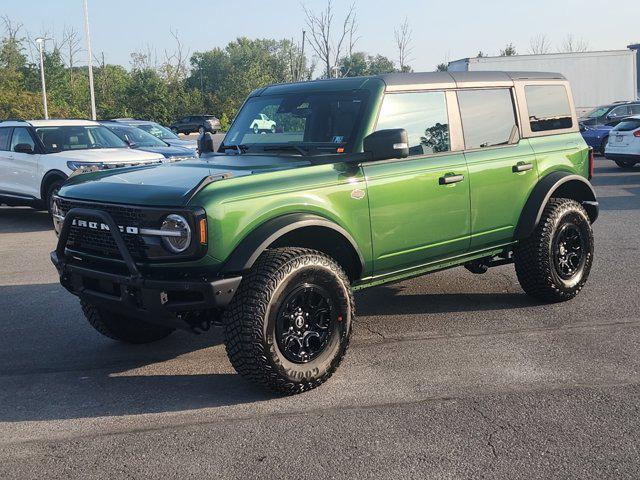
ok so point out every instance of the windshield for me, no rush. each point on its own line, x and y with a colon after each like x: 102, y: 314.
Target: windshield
x: 136, y: 137
x: 158, y: 131
x: 597, y: 112
x: 60, y: 139
x: 325, y: 122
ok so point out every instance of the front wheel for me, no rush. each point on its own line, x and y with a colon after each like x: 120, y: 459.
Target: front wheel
x: 52, y: 191
x: 625, y: 163
x: 121, y: 328
x: 288, y: 326
x: 553, y: 264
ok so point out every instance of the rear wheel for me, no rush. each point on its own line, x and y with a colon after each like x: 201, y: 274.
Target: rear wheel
x: 553, y: 264
x: 288, y: 326
x: 625, y: 163
x: 256, y: 130
x: 121, y: 328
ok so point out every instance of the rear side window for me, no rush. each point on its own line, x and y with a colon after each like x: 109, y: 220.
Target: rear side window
x: 549, y: 107
x: 21, y: 136
x: 488, y: 117
x: 628, y: 125
x: 422, y: 115
x: 4, y: 138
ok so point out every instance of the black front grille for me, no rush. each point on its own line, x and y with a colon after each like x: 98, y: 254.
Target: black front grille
x: 100, y: 242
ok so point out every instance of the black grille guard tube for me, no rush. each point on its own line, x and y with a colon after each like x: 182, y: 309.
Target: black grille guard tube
x: 114, y: 230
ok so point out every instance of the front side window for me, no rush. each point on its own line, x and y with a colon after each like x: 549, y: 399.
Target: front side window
x: 59, y: 139
x: 488, y: 117
x: 4, y: 138
x: 304, y: 122
x: 548, y: 107
x: 423, y: 115
x: 21, y: 136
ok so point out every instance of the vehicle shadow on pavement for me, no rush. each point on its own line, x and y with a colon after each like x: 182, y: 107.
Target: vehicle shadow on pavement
x: 23, y: 220
x: 54, y: 366
x: 389, y: 300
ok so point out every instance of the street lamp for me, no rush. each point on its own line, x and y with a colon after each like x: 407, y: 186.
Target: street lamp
x: 89, y: 59
x: 40, y: 41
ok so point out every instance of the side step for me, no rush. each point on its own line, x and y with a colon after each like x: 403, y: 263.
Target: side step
x: 481, y: 265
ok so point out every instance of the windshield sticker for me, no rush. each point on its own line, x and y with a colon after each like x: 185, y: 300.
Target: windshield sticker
x: 338, y: 139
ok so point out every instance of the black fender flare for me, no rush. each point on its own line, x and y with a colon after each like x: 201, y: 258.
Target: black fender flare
x: 259, y: 239
x: 564, y: 184
x: 51, y: 174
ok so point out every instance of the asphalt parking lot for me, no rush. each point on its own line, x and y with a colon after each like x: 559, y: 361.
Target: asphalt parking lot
x: 452, y: 375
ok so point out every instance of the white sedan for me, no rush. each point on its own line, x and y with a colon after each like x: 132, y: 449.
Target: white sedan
x: 624, y: 143
x: 263, y: 124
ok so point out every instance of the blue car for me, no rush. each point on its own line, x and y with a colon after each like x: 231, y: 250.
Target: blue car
x: 157, y: 130
x: 141, y: 140
x: 596, y: 136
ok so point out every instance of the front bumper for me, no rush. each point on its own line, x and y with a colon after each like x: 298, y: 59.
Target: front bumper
x: 133, y: 294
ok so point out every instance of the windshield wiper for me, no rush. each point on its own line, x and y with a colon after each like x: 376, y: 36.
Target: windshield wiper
x: 240, y: 148
x: 277, y: 148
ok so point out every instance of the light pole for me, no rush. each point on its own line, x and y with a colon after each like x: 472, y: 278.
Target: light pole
x: 90, y: 60
x: 40, y: 42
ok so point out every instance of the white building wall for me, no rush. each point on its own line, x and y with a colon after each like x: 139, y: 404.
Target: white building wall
x: 596, y: 78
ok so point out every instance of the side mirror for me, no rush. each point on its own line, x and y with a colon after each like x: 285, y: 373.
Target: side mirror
x: 583, y: 128
x: 23, y: 148
x: 386, y: 144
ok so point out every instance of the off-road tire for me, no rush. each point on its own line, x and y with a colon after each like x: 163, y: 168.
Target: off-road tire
x: 250, y: 320
x: 121, y: 328
x: 534, y: 261
x: 625, y: 163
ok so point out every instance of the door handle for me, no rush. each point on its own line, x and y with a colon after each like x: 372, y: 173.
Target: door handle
x: 449, y: 179
x: 522, y: 167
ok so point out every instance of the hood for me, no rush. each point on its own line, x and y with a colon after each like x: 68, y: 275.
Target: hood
x: 170, y: 184
x: 108, y: 155
x: 170, y: 151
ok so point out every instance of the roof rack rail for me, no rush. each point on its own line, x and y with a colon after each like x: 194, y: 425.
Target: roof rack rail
x: 14, y: 120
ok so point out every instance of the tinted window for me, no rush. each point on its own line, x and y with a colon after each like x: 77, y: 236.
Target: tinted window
x: 628, y: 125
x: 311, y: 120
x: 4, y: 138
x: 621, y: 111
x: 21, y: 135
x: 488, y: 117
x: 634, y: 109
x: 422, y: 115
x: 137, y: 137
x: 548, y: 107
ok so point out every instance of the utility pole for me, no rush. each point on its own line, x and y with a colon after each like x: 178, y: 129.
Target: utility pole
x: 40, y: 42
x: 90, y: 60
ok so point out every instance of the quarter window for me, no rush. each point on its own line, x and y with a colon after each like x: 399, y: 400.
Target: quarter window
x: 548, y: 107
x: 488, y: 117
x: 21, y: 135
x: 4, y: 138
x: 424, y: 117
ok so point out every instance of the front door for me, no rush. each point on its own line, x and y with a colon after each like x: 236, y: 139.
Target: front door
x: 502, y: 167
x: 419, y: 206
x: 23, y: 167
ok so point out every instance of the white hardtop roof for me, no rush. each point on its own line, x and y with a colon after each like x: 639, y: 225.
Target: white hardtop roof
x: 62, y: 123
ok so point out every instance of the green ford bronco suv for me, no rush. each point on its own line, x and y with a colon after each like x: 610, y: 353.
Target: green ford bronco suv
x: 362, y: 181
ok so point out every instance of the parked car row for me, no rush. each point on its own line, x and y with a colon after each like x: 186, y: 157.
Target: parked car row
x: 609, y: 130
x: 37, y: 156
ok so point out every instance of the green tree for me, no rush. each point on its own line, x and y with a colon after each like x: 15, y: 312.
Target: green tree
x: 442, y: 67
x: 509, y: 51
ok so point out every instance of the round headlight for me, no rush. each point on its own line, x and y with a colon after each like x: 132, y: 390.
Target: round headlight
x: 177, y: 237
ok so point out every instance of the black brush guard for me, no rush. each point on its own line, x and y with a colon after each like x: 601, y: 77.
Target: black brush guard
x: 166, y: 302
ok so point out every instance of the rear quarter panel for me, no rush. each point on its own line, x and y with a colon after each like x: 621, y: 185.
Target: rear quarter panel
x: 564, y: 152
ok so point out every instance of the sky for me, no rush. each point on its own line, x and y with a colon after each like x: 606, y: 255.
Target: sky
x: 442, y: 31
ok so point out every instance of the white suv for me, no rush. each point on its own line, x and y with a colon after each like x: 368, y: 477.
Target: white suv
x: 37, y: 156
x: 263, y: 124
x: 623, y: 146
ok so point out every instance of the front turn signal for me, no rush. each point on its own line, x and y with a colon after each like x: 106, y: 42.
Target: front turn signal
x: 203, y: 231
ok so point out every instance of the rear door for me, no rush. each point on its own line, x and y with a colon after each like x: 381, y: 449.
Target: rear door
x: 502, y: 167
x: 419, y: 206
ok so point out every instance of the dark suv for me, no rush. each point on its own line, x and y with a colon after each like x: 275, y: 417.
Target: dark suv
x: 196, y: 123
x: 610, y: 114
